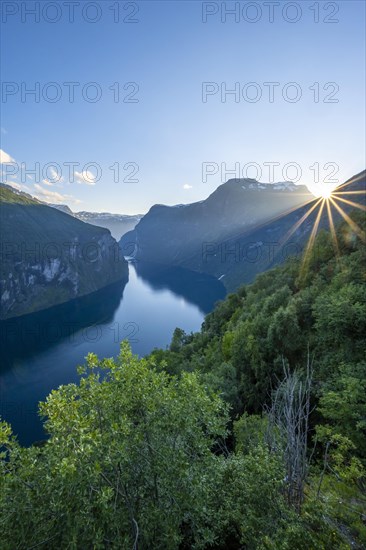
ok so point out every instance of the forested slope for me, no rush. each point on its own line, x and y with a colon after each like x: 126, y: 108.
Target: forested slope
x: 317, y: 305
x: 247, y: 435
x: 49, y: 257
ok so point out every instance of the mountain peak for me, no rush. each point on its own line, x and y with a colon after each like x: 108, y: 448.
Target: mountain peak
x: 173, y: 234
x: 253, y: 184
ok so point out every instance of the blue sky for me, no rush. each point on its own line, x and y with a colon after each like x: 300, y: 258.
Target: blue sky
x: 170, y: 133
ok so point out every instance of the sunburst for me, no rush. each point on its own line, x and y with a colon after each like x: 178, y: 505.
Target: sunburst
x: 353, y: 225
x: 311, y: 240
x: 325, y: 204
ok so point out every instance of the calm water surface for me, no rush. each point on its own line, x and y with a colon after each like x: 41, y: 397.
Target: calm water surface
x: 41, y: 351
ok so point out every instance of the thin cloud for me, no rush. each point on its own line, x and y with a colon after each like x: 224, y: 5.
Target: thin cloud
x: 186, y: 186
x: 4, y: 175
x: 53, y: 196
x: 85, y: 177
x: 5, y: 158
x: 55, y: 176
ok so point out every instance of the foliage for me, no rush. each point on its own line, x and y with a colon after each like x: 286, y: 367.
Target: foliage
x: 190, y: 446
x: 244, y: 341
x: 129, y: 458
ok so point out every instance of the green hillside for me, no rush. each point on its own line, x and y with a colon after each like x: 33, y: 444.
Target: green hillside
x: 49, y: 257
x: 320, y: 305
x: 247, y: 435
x: 9, y: 196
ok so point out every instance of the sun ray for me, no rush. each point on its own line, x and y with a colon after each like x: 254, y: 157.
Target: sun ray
x: 271, y: 220
x: 349, y: 182
x: 293, y: 209
x: 294, y: 228
x: 311, y: 240
x: 332, y: 230
x: 350, y: 222
x: 279, y: 217
x: 348, y: 193
x: 355, y: 204
x: 322, y: 201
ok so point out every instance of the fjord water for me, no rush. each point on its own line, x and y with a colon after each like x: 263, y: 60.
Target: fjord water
x: 42, y: 350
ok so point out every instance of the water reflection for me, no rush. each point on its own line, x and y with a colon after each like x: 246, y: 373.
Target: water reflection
x: 41, y: 351
x: 27, y: 336
x: 200, y: 289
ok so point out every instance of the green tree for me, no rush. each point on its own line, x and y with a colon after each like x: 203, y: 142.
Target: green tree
x: 343, y: 403
x: 129, y: 462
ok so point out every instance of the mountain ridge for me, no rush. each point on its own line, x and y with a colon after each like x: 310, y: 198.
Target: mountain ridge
x: 50, y: 257
x: 169, y: 234
x: 220, y: 253
x: 118, y: 224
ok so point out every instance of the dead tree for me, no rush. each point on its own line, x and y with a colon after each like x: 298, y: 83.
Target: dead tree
x: 288, y: 429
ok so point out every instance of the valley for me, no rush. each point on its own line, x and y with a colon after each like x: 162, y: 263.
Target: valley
x: 118, y: 224
x: 182, y: 275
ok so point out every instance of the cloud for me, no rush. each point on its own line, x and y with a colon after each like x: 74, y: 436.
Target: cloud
x: 5, y: 158
x: 4, y: 174
x: 85, y: 177
x: 55, y: 176
x: 54, y: 197
x: 186, y: 186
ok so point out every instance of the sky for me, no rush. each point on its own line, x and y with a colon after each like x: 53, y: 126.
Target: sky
x: 132, y: 104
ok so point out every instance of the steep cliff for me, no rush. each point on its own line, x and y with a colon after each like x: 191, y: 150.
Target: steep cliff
x: 49, y: 257
x: 171, y: 234
x: 238, y: 231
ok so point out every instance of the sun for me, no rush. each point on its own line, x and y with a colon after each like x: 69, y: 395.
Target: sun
x: 327, y: 201
x: 322, y: 191
x: 326, y: 193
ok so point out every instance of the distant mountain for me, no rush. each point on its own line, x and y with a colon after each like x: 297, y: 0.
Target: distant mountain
x: 235, y: 233
x: 49, y: 257
x: 118, y: 224
x: 173, y: 234
x: 62, y: 208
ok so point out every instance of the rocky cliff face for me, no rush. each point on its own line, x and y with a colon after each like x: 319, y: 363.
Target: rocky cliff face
x: 173, y: 234
x: 238, y: 232
x: 49, y: 257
